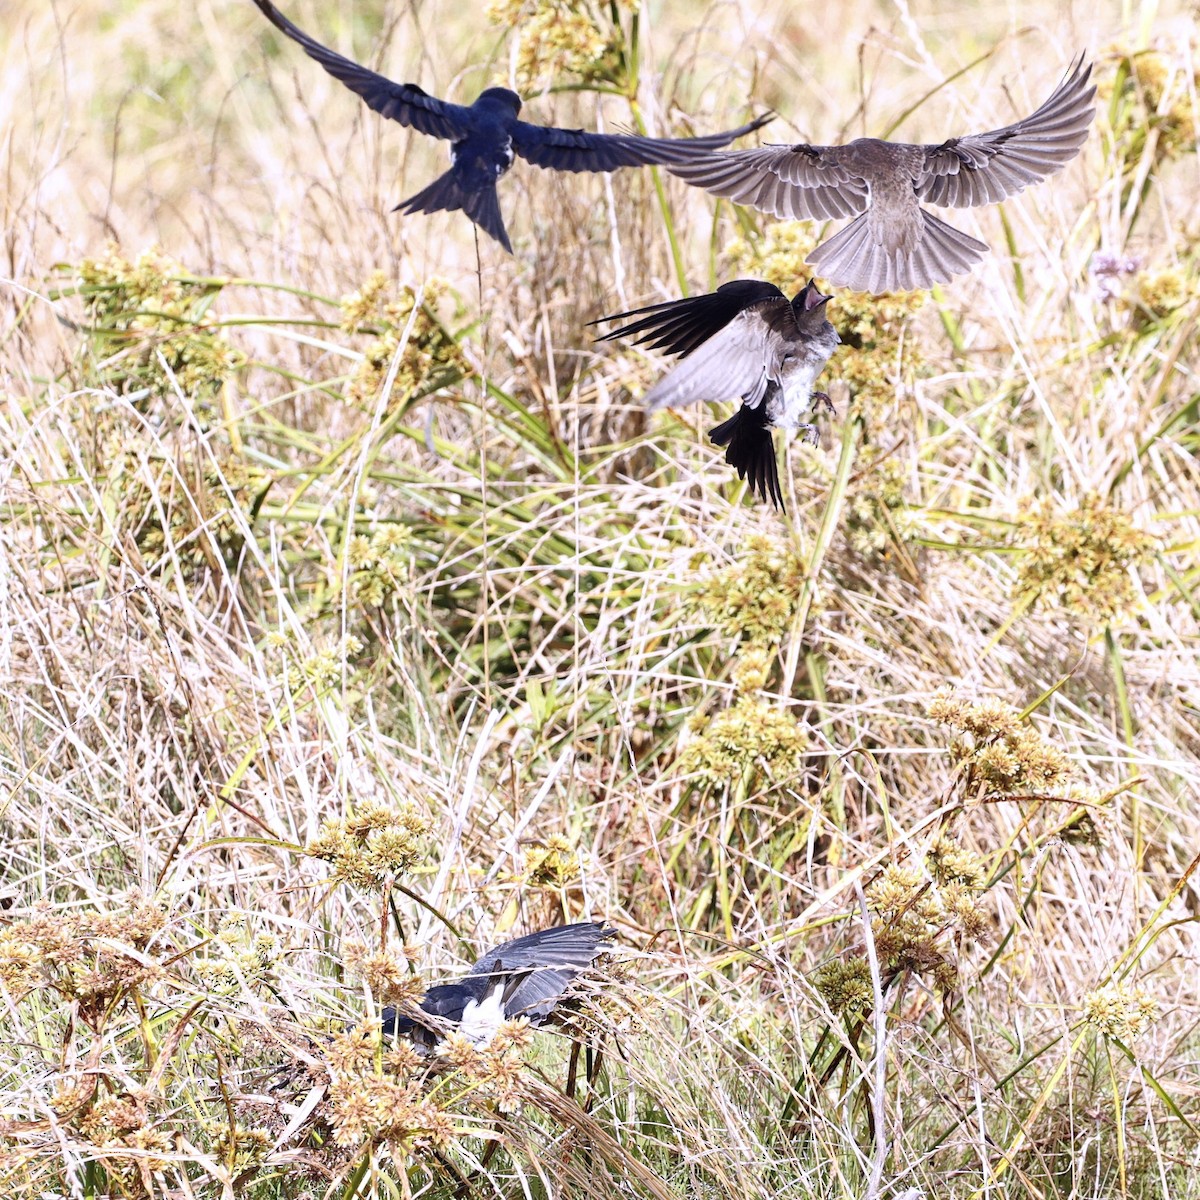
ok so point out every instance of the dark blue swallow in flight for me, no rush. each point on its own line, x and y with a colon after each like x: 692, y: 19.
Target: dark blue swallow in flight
x: 527, y: 977
x: 486, y: 137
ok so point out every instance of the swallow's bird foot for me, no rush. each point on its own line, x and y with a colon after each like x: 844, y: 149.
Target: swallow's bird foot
x: 821, y: 400
x: 810, y: 434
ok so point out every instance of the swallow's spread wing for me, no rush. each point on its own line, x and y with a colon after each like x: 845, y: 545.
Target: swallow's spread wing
x: 679, y: 326
x: 575, y: 150
x: 739, y: 361
x: 403, y: 102
x: 800, y: 182
x: 983, y: 168
x: 561, y: 946
x: 543, y: 965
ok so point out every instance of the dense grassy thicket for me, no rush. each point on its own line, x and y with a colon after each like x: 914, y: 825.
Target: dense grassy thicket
x: 353, y: 615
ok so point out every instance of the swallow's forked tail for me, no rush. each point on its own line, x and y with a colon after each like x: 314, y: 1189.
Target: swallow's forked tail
x: 853, y: 258
x: 445, y: 193
x: 751, y: 452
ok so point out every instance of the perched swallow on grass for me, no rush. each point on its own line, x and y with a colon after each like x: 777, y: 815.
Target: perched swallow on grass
x: 894, y: 244
x: 527, y: 977
x: 486, y: 137
x: 747, y: 340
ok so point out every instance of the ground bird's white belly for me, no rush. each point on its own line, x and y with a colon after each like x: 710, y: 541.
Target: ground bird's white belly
x: 481, y: 1020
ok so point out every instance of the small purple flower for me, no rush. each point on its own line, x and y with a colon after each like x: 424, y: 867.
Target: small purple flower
x: 1107, y: 270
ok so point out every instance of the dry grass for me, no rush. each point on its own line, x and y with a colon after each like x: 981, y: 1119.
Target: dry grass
x: 424, y: 583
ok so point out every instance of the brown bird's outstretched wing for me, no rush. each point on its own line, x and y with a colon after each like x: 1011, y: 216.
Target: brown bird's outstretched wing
x: 800, y: 182
x: 575, y: 150
x: 983, y: 168
x: 403, y: 102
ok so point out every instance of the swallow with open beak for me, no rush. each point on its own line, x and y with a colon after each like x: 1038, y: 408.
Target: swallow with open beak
x: 744, y: 341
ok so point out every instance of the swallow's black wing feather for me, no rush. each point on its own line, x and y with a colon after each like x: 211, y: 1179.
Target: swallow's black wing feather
x: 561, y: 946
x: 403, y: 102
x: 679, y: 326
x: 751, y: 452
x: 544, y: 963
x: 575, y: 150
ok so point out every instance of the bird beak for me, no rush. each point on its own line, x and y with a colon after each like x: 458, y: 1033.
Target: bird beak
x: 812, y: 297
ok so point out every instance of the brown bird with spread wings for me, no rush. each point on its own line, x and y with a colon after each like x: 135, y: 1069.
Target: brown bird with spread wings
x: 895, y: 245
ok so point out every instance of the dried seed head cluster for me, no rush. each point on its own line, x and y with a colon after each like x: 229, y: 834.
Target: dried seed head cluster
x: 395, y: 1109
x: 237, y: 957
x: 874, y: 510
x: 323, y: 669
x: 155, y: 327
x: 95, y: 959
x: 389, y: 976
x: 564, y: 37
x: 555, y: 863
x: 1082, y: 560
x: 126, y: 1122
x: 845, y: 984
x: 1156, y: 95
x: 778, y: 256
x: 951, y: 862
x: 1161, y: 292
x: 1088, y: 824
x: 494, y: 1071
x: 239, y: 1147
x: 879, y: 359
x: 431, y: 356
x: 921, y: 913
x: 386, y: 1108
x: 1120, y: 1012
x: 205, y: 497
x: 755, y: 598
x: 1005, y: 753
x: 750, y: 736
x: 375, y: 844
x: 752, y: 668
x: 381, y: 564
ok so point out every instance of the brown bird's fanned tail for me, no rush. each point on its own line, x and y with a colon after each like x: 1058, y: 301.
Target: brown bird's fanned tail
x: 854, y: 259
x: 751, y: 452
x: 445, y: 193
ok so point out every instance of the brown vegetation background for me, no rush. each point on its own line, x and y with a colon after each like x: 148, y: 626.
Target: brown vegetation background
x: 353, y: 617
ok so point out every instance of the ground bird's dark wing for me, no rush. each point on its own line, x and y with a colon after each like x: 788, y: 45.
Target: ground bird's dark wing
x: 983, y: 168
x: 542, y: 965
x: 575, y: 150
x: 799, y: 182
x: 679, y: 326
x: 403, y: 102
x: 562, y: 946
